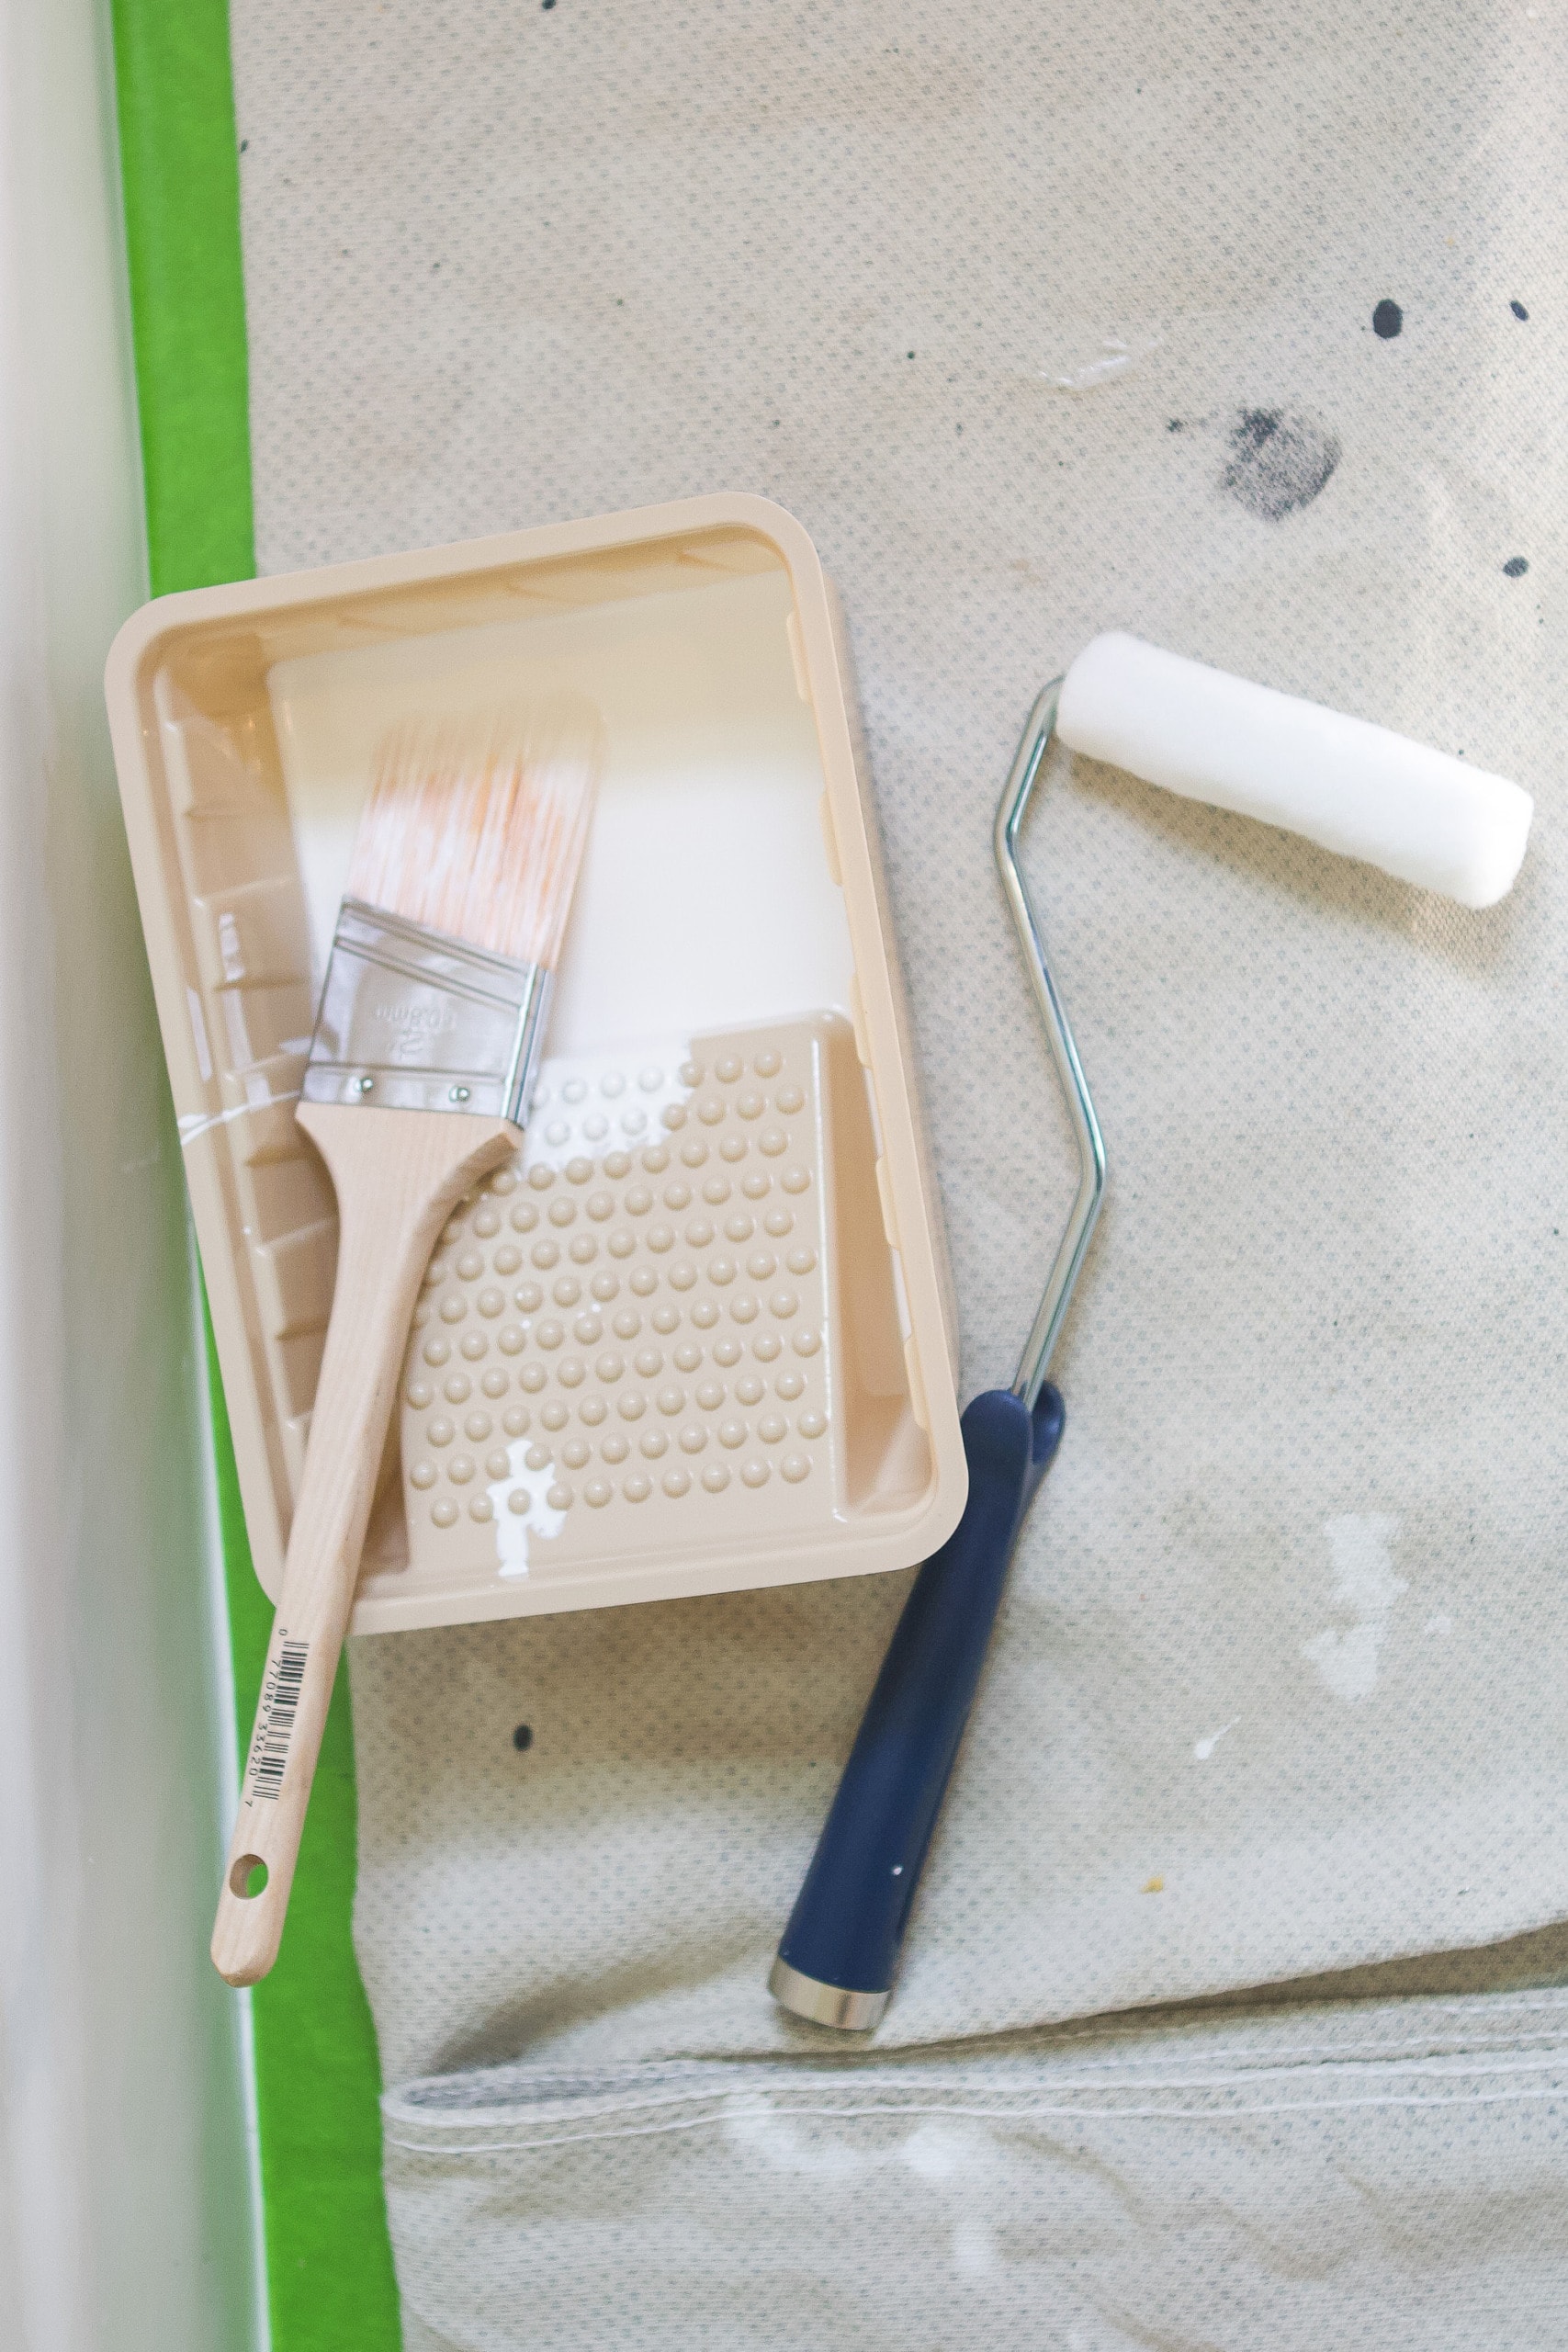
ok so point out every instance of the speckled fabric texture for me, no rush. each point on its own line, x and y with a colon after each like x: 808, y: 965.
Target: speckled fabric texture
x: 1242, y: 330
x: 1394, y: 2177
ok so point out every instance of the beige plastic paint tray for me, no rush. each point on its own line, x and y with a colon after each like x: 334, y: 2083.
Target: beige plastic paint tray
x: 697, y: 1336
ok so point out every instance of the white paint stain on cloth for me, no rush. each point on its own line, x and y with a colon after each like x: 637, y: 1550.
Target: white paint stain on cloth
x: 1365, y: 1589
x: 1114, y: 356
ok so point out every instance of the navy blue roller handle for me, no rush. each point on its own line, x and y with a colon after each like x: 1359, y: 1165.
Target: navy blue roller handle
x: 850, y: 1916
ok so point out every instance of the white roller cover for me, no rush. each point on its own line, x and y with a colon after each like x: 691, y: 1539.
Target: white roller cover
x: 1360, y: 790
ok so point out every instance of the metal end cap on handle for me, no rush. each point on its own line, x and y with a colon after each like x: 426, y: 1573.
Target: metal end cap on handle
x: 806, y: 1996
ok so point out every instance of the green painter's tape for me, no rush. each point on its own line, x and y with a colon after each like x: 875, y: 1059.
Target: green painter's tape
x: 188, y: 295
x: 330, y: 2279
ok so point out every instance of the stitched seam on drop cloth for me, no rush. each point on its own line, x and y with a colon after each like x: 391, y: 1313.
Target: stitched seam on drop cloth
x: 772, y: 2109
x: 1284, y: 2056
x: 1520, y: 2062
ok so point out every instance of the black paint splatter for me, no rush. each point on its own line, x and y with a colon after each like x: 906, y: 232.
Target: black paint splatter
x: 1518, y: 310
x: 523, y: 1738
x: 1515, y: 567
x: 1387, y: 320
x: 1277, y: 462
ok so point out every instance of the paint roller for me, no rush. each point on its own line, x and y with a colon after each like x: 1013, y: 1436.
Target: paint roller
x: 1357, y: 789
x: 1360, y: 790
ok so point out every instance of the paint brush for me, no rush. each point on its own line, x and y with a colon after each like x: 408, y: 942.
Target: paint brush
x: 431, y: 1026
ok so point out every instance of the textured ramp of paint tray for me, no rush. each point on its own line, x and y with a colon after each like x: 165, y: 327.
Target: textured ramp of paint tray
x: 626, y: 1346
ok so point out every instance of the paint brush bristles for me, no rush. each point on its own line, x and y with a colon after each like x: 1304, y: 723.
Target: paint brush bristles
x: 416, y: 1085
x: 477, y: 828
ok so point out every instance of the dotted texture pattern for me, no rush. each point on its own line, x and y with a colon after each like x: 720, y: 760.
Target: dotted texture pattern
x: 1001, y: 302
x: 634, y: 1312
x: 1388, y: 2173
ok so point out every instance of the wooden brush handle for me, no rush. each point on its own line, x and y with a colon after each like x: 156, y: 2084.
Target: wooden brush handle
x: 398, y: 1174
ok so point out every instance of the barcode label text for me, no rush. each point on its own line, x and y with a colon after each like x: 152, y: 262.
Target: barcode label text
x: 277, y: 1723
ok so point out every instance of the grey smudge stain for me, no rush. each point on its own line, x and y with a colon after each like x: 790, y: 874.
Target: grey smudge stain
x: 1277, y: 462
x: 1515, y: 567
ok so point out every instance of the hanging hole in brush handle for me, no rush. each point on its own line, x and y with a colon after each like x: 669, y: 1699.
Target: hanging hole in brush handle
x: 840, y: 1950
x: 397, y: 1176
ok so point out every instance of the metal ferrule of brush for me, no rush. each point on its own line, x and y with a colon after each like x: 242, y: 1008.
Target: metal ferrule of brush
x: 414, y: 1020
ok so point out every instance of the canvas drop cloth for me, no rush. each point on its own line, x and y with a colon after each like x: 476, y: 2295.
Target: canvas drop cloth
x: 1043, y: 320
x: 1391, y: 2176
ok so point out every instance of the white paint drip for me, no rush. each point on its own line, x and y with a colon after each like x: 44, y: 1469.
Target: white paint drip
x: 513, y: 1528
x: 258, y: 1096
x: 1114, y: 358
x: 229, y: 947
x: 588, y: 1103
x: 975, y: 2251
x: 934, y: 2152
x: 964, y: 2160
x: 763, y: 2132
x: 1203, y: 1748
x: 198, y: 1037
x: 1366, y: 1586
x: 234, y: 1009
x: 953, y: 2159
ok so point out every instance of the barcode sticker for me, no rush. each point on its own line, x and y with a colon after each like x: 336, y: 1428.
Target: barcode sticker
x: 274, y: 1732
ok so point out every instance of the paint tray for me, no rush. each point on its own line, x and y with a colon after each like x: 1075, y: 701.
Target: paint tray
x: 698, y: 1336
